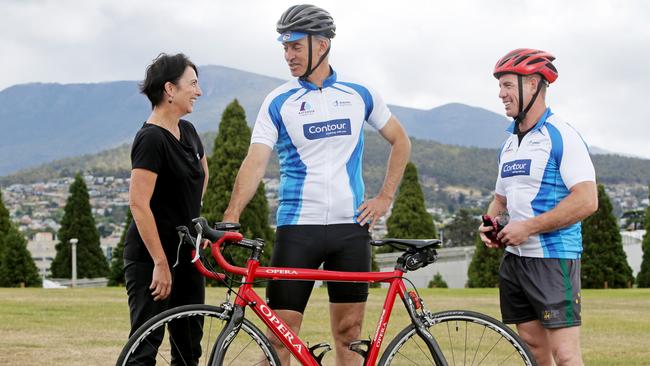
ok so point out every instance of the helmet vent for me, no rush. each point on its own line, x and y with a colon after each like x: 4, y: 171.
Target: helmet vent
x: 520, y: 59
x: 537, y: 60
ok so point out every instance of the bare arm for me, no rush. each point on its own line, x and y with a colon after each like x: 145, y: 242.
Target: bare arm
x: 204, y: 164
x: 248, y: 178
x: 498, y: 206
x: 373, y: 209
x: 142, y: 185
x: 579, y: 204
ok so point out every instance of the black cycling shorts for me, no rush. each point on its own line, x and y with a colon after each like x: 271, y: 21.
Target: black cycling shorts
x: 338, y: 247
x: 544, y: 289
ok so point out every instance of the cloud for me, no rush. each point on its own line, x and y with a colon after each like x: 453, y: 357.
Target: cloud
x: 415, y: 53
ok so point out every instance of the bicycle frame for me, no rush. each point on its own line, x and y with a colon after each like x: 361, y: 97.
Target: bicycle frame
x: 246, y: 296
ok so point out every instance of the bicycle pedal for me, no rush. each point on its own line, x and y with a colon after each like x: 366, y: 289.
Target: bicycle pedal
x: 360, y: 346
x: 313, y: 349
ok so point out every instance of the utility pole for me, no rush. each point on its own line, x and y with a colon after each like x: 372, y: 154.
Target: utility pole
x: 74, y: 242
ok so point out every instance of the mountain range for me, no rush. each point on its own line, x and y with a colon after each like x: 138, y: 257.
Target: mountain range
x: 438, y: 165
x: 44, y: 122
x: 47, y: 122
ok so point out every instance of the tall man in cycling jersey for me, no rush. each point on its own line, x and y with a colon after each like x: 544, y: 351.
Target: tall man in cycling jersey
x: 546, y: 183
x: 316, y: 122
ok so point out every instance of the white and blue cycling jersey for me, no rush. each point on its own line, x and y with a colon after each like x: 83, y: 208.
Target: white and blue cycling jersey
x: 318, y: 133
x: 536, y: 175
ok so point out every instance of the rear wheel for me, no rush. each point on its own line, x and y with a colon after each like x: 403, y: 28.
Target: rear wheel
x: 249, y: 347
x: 464, y: 337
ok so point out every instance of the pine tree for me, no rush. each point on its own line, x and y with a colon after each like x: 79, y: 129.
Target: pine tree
x: 116, y: 276
x: 409, y: 218
x: 604, y: 263
x: 230, y: 149
x: 462, y: 230
x: 437, y: 281
x: 78, y: 222
x: 5, y: 221
x: 483, y: 270
x: 5, y: 224
x: 17, y: 268
x: 643, y: 277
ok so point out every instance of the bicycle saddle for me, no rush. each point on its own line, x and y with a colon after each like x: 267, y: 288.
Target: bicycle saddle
x: 408, y: 243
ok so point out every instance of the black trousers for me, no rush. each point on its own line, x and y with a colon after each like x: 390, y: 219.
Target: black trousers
x: 188, y: 287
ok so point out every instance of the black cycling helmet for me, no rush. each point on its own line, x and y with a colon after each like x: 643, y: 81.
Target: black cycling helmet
x: 308, y: 19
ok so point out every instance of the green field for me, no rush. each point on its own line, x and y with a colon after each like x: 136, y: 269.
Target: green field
x: 89, y: 326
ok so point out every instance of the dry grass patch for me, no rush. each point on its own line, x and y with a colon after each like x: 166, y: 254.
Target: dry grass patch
x: 89, y: 326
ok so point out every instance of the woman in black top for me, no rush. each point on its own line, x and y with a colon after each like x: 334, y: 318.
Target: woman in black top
x: 168, y: 178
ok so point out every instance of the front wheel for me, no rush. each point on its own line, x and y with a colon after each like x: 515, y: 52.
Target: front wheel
x: 464, y: 337
x: 148, y: 346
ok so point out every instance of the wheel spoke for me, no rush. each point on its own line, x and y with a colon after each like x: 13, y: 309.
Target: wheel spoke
x: 491, y: 343
x: 408, y: 359
x: 156, y: 348
x: 451, y: 346
x: 488, y: 352
x: 465, y: 345
x: 248, y: 347
x: 422, y: 351
x: 514, y: 351
x: 240, y: 351
x: 209, y: 339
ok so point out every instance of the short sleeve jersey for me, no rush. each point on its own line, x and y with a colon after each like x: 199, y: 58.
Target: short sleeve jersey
x: 176, y: 197
x: 318, y: 133
x: 536, y: 175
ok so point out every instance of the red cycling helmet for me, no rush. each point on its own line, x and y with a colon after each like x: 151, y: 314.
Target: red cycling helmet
x: 527, y: 61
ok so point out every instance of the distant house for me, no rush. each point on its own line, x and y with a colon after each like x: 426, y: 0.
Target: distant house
x: 632, y: 246
x: 43, y: 252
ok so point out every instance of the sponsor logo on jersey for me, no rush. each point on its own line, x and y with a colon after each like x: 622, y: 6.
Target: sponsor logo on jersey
x: 319, y: 130
x: 341, y: 103
x: 515, y: 167
x: 305, y: 109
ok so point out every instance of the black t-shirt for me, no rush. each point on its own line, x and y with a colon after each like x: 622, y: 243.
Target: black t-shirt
x: 176, y: 198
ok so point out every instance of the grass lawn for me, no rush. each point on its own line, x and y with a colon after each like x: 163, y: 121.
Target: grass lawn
x: 89, y: 326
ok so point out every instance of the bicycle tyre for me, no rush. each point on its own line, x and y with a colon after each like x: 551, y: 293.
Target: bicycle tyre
x: 250, y: 347
x: 491, y: 343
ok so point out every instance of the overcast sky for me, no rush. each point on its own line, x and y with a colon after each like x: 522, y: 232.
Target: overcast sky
x: 419, y: 54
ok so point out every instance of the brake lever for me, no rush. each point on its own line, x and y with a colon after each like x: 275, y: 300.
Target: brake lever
x: 199, y: 233
x: 182, y: 233
x: 181, y: 237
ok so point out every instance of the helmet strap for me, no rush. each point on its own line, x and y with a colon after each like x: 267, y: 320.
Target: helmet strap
x: 310, y: 70
x: 522, y: 114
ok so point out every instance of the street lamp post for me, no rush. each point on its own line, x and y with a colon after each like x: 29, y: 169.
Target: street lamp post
x: 41, y: 246
x: 74, y: 242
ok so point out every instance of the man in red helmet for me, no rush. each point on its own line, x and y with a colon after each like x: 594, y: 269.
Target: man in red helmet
x: 546, y: 186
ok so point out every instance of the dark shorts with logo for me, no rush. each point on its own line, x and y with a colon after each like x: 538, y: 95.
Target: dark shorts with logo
x: 544, y: 289
x: 338, y: 247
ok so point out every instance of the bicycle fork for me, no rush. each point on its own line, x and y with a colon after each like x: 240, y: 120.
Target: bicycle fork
x: 422, y: 331
x: 226, y: 336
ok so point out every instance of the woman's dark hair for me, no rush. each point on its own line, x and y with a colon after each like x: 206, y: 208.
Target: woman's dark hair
x: 164, y: 68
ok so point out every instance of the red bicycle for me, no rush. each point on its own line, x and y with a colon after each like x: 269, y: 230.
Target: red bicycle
x: 456, y: 337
